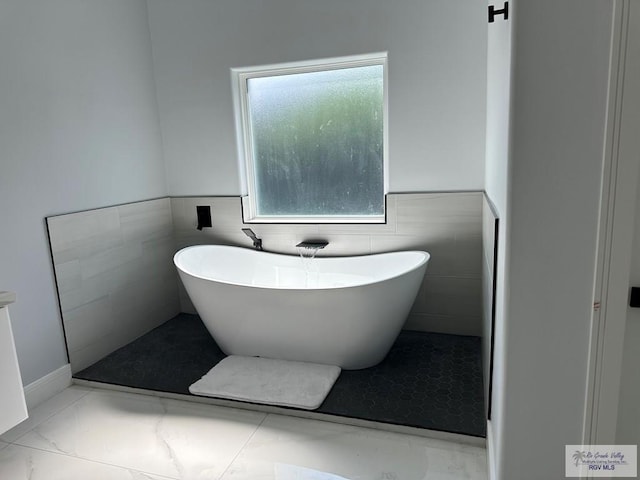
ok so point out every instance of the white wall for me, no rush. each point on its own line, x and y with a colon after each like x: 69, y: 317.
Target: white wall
x: 498, y: 104
x: 559, y: 92
x: 78, y: 130
x: 437, y: 65
x: 499, y: 63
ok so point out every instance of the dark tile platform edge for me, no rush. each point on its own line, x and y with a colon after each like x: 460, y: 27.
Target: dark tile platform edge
x: 282, y: 410
x: 443, y: 435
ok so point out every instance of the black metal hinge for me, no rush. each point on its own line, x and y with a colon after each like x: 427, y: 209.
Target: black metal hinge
x: 503, y: 11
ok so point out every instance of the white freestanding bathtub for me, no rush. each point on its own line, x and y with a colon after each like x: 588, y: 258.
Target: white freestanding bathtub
x: 344, y: 311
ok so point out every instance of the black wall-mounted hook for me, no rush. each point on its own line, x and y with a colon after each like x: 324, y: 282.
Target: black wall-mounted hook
x: 634, y: 297
x: 503, y: 11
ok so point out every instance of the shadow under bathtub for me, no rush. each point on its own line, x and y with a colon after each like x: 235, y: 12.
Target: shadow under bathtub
x: 428, y: 380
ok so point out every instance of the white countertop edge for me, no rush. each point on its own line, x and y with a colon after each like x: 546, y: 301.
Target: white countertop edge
x: 7, y: 298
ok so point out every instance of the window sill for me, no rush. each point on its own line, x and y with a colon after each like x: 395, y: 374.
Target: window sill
x: 316, y: 220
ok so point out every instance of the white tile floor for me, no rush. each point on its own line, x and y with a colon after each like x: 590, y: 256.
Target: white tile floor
x: 85, y: 433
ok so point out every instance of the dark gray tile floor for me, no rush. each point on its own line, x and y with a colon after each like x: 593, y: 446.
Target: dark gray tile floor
x: 428, y: 380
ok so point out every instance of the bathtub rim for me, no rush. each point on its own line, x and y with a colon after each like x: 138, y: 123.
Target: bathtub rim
x: 425, y: 257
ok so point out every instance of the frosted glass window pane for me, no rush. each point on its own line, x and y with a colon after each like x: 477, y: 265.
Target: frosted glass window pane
x: 317, y: 141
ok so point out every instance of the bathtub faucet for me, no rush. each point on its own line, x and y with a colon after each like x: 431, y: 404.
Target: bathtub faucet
x: 313, y: 244
x: 257, y: 242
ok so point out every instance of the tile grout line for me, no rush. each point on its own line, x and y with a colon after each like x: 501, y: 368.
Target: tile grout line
x: 243, y: 446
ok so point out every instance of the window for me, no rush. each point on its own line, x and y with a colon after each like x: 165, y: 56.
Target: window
x: 312, y: 140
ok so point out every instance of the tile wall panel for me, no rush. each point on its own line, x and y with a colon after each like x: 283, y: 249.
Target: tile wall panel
x: 447, y: 225
x: 455, y: 325
x: 116, y: 278
x: 115, y: 275
x: 489, y: 224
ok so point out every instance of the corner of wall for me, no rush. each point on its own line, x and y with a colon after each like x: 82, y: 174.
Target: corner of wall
x: 492, y: 473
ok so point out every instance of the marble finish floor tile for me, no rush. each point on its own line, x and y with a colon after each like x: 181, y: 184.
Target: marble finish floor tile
x: 100, y: 434
x: 45, y: 411
x: 21, y: 463
x: 287, y: 448
x: 158, y: 436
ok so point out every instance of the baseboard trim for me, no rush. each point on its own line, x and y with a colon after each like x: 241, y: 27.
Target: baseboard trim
x: 46, y: 387
x: 491, y: 459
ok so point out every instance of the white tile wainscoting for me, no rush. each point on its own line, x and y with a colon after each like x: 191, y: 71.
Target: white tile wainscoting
x: 92, y: 433
x: 116, y: 278
x: 447, y: 225
x: 490, y: 225
x: 115, y: 275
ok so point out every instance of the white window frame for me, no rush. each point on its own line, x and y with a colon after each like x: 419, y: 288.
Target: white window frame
x: 239, y: 78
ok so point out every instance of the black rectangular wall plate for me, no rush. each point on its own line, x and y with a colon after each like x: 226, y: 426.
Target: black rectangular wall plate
x: 634, y: 297
x: 204, y: 216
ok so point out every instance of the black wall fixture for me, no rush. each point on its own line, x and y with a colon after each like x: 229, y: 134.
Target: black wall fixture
x: 503, y: 11
x: 204, y: 216
x: 634, y: 298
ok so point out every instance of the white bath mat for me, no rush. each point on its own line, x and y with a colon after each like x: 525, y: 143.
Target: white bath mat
x: 266, y: 380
